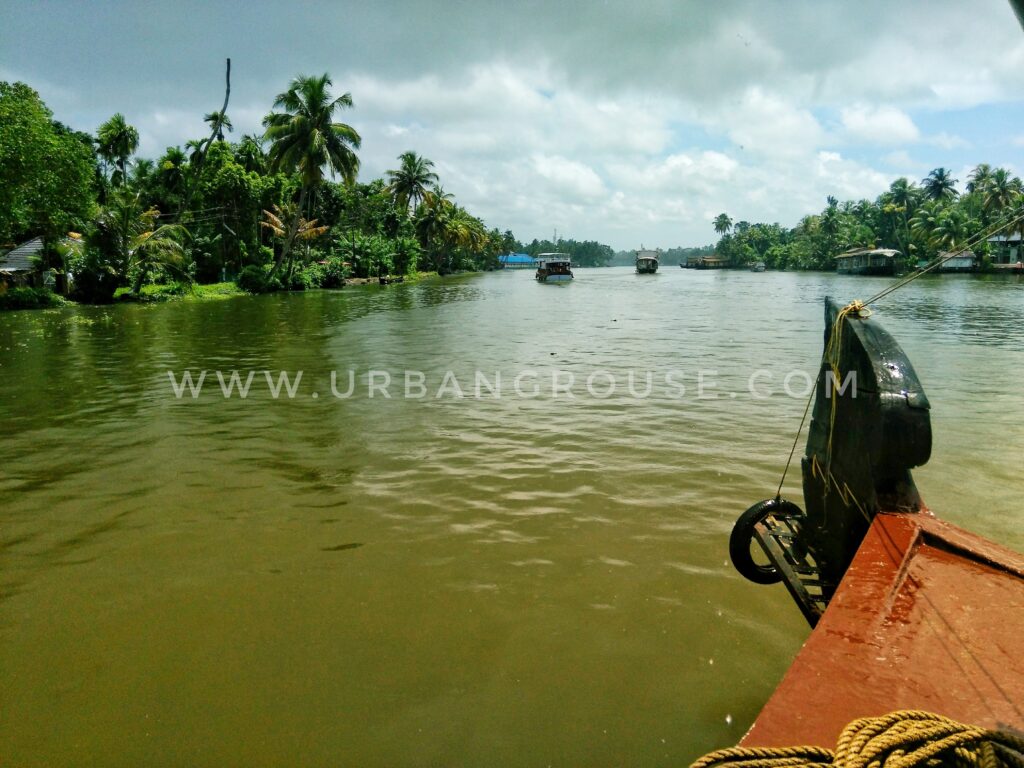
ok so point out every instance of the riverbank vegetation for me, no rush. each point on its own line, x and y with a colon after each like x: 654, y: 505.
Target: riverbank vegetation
x: 282, y: 210
x: 918, y: 220
x: 586, y: 253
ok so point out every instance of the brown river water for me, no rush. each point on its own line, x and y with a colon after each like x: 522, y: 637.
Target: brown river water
x: 438, y: 580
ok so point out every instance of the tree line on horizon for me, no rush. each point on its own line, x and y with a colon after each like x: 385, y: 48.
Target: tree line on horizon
x: 282, y: 209
x: 918, y: 220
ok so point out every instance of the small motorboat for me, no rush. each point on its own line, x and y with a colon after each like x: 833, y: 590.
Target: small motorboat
x: 554, y: 268
x: 647, y: 262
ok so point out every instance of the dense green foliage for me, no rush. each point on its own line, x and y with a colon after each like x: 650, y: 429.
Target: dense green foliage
x: 47, y: 172
x: 586, y: 254
x: 29, y: 298
x: 919, y: 221
x: 277, y: 211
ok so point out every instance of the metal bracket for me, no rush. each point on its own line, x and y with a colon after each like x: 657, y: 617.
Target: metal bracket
x: 779, y: 537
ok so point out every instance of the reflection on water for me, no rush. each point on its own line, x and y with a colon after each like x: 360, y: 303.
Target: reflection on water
x: 458, y: 581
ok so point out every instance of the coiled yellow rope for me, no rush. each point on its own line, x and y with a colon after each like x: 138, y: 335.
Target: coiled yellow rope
x: 906, y: 739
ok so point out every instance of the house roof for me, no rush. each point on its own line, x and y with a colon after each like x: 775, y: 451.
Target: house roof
x: 516, y: 258
x: 20, y: 259
x: 1013, y: 237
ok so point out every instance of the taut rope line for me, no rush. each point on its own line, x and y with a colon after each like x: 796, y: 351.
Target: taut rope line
x: 859, y: 307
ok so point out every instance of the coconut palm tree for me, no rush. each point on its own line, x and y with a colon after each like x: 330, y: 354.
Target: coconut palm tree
x: 274, y: 222
x: 410, y: 182
x: 138, y: 240
x: 953, y: 229
x: 905, y: 196
x: 171, y: 178
x: 939, y: 185
x: 194, y: 149
x: 116, y: 143
x: 979, y: 178
x: 1001, y: 191
x: 433, y: 218
x: 722, y: 224
x: 925, y: 217
x: 250, y: 155
x: 218, y: 122
x: 305, y: 139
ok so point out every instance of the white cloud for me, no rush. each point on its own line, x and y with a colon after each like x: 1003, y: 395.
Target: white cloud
x: 945, y: 140
x: 766, y: 123
x: 900, y: 159
x: 573, y: 180
x: 619, y: 121
x: 849, y: 179
x: 879, y: 124
x: 696, y: 173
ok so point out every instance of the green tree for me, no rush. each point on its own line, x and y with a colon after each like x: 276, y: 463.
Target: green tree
x: 432, y: 219
x: 939, y: 185
x: 274, y: 223
x: 136, y: 242
x: 723, y: 224
x: 410, y: 182
x: 117, y: 142
x: 218, y: 121
x: 979, y: 178
x: 305, y: 139
x: 904, y: 196
x: 1001, y: 191
x: 953, y: 229
x: 925, y: 225
x: 47, y: 172
x: 171, y: 178
x: 250, y: 155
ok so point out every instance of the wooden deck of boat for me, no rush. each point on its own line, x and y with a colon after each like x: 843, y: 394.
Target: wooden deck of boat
x: 928, y: 616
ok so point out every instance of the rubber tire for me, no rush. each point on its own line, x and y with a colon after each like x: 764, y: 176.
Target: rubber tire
x: 743, y: 534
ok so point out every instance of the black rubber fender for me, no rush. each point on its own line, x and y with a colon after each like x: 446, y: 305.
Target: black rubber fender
x: 743, y: 534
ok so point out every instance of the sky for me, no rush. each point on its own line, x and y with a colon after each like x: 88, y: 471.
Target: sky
x: 631, y: 123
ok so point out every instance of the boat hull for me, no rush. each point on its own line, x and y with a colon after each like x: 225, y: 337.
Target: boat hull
x: 554, y: 278
x: 881, y: 269
x: 928, y: 616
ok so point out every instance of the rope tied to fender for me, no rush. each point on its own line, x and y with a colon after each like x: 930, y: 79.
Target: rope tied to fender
x: 905, y: 739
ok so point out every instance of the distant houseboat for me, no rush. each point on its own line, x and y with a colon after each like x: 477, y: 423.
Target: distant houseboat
x: 709, y: 262
x: 962, y: 262
x: 554, y: 268
x: 867, y: 261
x: 758, y: 266
x: 647, y: 262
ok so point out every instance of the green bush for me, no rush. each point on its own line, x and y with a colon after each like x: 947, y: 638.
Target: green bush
x: 299, y: 280
x: 94, y: 277
x: 253, y: 279
x: 330, y: 273
x: 176, y: 288
x: 406, y: 255
x: 29, y: 298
